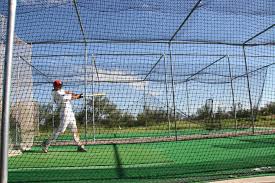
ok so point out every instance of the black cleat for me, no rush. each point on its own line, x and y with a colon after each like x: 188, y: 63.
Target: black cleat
x: 45, y: 146
x: 81, y: 149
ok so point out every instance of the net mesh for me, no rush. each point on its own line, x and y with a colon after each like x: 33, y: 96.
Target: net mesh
x: 172, y: 89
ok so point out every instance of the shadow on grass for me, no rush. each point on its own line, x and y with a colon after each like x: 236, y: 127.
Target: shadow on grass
x: 119, y: 168
x: 260, y: 140
x: 250, y: 143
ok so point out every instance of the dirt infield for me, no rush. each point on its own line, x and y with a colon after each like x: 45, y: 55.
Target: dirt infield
x: 166, y: 139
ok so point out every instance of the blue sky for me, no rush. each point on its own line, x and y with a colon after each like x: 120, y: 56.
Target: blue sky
x: 230, y: 22
x: 213, y: 20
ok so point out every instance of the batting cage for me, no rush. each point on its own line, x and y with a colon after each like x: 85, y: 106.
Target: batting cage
x: 140, y: 90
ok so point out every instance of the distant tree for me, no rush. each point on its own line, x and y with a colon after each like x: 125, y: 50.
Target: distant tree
x: 203, y: 112
x: 127, y: 120
x: 210, y: 120
x: 152, y: 116
x: 268, y: 109
x: 105, y: 113
x: 242, y: 112
x: 222, y: 113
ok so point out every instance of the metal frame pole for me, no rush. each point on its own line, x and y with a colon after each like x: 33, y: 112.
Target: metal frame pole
x: 262, y: 91
x: 6, y: 92
x: 85, y: 90
x: 17, y: 107
x: 173, y: 93
x: 86, y: 61
x: 166, y: 95
x: 232, y: 93
x: 249, y: 90
x: 93, y: 98
x: 144, y: 103
x: 187, y: 103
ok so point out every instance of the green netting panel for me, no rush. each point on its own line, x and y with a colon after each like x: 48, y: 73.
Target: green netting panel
x: 176, y: 90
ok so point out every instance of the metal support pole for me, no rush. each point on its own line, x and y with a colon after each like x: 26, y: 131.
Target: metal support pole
x: 187, y: 103
x: 85, y: 91
x: 166, y: 93
x: 232, y: 93
x: 6, y: 93
x: 249, y: 91
x: 17, y: 108
x: 262, y: 90
x: 173, y: 92
x: 86, y: 61
x: 93, y: 98
x: 145, y: 104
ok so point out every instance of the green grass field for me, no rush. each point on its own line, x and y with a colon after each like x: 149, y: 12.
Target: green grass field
x: 191, y: 161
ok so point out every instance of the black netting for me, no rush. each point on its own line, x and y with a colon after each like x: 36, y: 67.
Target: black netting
x: 179, y: 90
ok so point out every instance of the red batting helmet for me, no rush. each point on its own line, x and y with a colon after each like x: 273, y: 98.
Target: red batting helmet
x: 57, y: 83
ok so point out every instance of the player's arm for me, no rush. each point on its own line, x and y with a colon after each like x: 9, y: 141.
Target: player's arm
x: 74, y: 95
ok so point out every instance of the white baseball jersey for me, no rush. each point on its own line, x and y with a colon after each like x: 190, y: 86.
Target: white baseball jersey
x: 67, y: 116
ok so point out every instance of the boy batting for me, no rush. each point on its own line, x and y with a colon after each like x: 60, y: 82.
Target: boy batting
x: 63, y: 98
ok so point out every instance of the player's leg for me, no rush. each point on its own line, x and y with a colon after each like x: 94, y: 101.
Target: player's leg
x: 80, y: 146
x: 61, y: 129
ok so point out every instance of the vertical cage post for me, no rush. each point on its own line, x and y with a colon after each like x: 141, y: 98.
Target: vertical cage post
x: 17, y: 107
x: 144, y: 103
x: 85, y: 90
x: 6, y: 92
x: 232, y: 93
x: 173, y: 92
x: 85, y: 59
x: 166, y: 95
x: 93, y: 98
x: 187, y: 103
x: 249, y: 90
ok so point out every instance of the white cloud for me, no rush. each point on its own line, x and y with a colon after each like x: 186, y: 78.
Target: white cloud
x: 118, y: 76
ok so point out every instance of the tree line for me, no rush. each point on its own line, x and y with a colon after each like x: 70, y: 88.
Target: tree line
x: 109, y: 115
